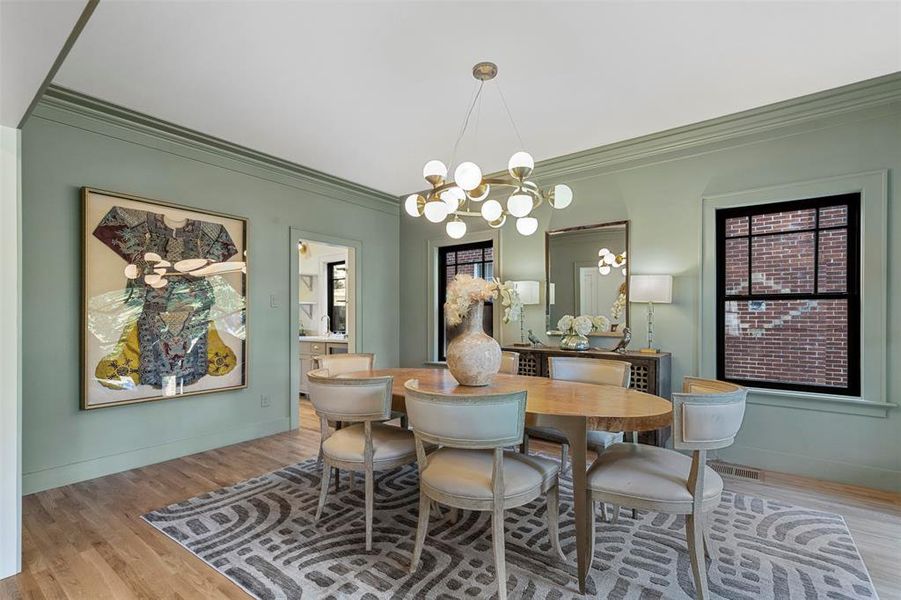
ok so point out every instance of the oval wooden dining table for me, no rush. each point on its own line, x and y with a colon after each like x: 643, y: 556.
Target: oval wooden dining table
x: 570, y: 407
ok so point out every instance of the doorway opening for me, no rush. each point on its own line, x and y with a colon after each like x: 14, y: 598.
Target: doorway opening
x: 326, y: 298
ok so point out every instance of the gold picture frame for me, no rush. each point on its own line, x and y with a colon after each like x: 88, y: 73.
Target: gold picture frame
x: 164, y: 300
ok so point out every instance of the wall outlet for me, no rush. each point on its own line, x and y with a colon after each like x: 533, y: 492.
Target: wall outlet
x: 264, y: 400
x: 273, y: 300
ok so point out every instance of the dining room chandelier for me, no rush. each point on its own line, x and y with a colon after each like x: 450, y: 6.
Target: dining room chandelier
x: 492, y: 198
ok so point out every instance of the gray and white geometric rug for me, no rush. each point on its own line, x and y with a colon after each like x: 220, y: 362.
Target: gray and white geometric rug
x: 260, y: 534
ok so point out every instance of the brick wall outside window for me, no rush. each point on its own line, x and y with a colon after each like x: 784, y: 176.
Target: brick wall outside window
x: 787, y: 315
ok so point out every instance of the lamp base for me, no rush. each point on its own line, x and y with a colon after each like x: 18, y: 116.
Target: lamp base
x: 649, y: 350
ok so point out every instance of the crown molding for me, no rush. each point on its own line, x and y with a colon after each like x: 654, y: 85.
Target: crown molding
x: 855, y: 97
x: 97, y: 110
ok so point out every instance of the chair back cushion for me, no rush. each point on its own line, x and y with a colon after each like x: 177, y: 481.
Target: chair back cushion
x: 338, y: 364
x: 466, y: 421
x: 708, y: 417
x: 346, y: 399
x: 591, y: 370
x: 510, y: 363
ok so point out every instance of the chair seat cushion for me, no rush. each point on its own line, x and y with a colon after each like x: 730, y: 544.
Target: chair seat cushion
x: 388, y: 443
x: 649, y: 473
x: 467, y: 473
x: 596, y: 439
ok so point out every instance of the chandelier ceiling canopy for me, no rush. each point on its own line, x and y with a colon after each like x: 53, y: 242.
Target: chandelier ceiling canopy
x: 472, y: 195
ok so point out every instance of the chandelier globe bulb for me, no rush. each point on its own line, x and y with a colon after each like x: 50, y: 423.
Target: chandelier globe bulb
x: 561, y: 196
x: 492, y: 210
x: 519, y: 204
x: 521, y: 165
x: 527, y: 225
x: 414, y: 205
x: 468, y: 176
x: 435, y: 211
x: 435, y: 172
x: 456, y: 228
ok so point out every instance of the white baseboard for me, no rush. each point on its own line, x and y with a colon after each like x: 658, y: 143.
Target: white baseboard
x: 46, y: 479
x: 815, y: 468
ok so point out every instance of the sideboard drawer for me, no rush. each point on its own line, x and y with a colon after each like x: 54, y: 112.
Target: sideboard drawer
x: 312, y: 348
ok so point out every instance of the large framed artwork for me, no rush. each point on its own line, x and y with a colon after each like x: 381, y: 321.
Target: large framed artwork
x: 164, y: 300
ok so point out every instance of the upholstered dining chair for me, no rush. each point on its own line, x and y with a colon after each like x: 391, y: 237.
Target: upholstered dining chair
x: 706, y: 416
x: 583, y: 370
x: 471, y: 470
x: 366, y: 445
x: 339, y: 364
x: 509, y: 363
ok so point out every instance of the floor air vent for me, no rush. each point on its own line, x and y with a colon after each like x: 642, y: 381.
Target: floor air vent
x: 736, y: 471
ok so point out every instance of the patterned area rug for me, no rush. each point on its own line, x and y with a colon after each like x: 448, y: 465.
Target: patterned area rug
x: 260, y: 534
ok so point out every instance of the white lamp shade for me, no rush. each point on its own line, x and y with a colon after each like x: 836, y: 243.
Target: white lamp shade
x: 527, y: 225
x: 456, y: 229
x: 435, y: 211
x: 519, y: 204
x: 562, y: 197
x: 492, y: 210
x: 527, y: 290
x: 651, y: 288
x: 468, y: 176
x: 452, y: 197
x: 412, y: 205
x: 434, y: 168
x: 521, y: 164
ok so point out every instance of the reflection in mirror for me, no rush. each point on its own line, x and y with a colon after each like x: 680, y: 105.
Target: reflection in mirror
x: 587, y: 274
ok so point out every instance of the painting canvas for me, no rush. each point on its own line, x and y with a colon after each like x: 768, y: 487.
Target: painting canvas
x: 165, y: 300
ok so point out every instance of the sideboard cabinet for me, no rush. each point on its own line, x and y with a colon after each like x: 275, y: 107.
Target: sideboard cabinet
x: 651, y: 373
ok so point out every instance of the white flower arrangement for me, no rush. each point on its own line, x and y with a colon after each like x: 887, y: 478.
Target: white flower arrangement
x: 583, y: 324
x: 465, y: 291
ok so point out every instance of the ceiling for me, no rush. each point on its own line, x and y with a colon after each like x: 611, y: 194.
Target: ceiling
x: 32, y: 34
x: 370, y: 90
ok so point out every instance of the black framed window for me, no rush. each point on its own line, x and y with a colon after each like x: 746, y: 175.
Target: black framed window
x: 476, y: 259
x: 788, y: 295
x: 337, y: 296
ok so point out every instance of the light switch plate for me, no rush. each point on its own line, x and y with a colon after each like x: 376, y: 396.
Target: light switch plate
x: 273, y: 300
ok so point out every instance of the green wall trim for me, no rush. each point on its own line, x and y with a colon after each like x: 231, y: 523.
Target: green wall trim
x: 255, y: 163
x: 808, y: 466
x: 852, y: 98
x: 46, y: 479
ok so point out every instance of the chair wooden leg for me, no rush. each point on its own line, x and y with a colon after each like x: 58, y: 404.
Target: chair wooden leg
x: 453, y: 515
x: 564, y: 453
x: 706, y: 535
x: 404, y: 422
x: 337, y: 480
x: 634, y: 513
x: 694, y: 525
x: 615, y: 517
x: 352, y: 481
x: 497, y: 539
x: 553, y: 520
x: 524, y: 448
x: 592, y: 532
x: 603, y: 508
x: 369, y: 493
x: 323, y: 490
x: 422, y: 528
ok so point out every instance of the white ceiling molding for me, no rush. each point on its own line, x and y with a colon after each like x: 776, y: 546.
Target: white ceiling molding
x: 369, y: 91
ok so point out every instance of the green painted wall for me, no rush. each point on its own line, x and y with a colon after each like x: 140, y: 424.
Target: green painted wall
x: 65, y: 149
x: 660, y: 192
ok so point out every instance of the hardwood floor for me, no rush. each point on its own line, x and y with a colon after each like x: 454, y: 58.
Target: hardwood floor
x: 87, y: 541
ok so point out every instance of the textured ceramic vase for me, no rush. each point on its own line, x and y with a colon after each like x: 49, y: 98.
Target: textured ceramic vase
x: 474, y: 357
x: 574, y: 342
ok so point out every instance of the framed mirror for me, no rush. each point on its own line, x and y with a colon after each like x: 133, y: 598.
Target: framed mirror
x: 587, y: 273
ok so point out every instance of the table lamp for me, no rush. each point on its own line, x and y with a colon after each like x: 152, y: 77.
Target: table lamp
x: 651, y: 289
x: 528, y: 295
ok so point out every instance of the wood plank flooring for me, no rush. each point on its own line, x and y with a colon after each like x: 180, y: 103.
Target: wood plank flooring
x: 87, y: 541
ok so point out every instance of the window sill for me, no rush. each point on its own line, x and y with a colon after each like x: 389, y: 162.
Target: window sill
x: 848, y: 405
